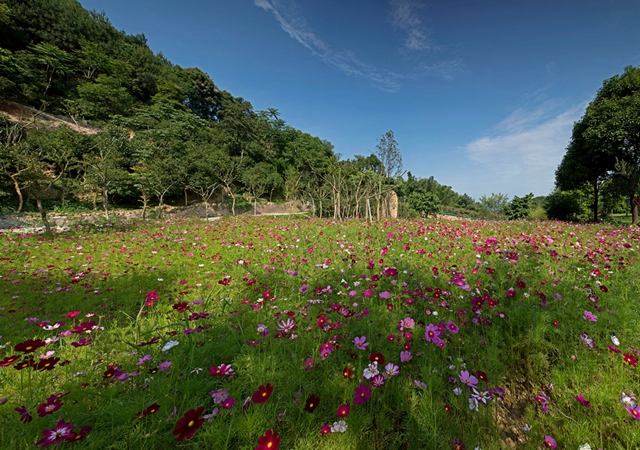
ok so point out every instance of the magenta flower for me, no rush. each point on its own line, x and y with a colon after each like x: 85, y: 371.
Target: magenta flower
x: 326, y: 350
x: 377, y: 380
x: 360, y: 342
x: 588, y: 315
x: 367, y: 293
x: 550, y: 442
x: 452, y: 327
x: 60, y: 433
x: 363, y: 393
x: 385, y: 295
x: 25, y: 415
x: 581, y: 399
x: 165, y: 365
x: 634, y: 411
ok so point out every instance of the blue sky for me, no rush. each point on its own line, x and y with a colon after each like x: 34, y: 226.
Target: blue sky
x: 480, y: 94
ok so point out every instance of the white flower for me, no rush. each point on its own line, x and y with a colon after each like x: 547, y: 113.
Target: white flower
x: 169, y: 345
x: 473, y: 404
x: 526, y: 427
x: 584, y: 447
x: 615, y: 340
x: 457, y: 391
x: 435, y: 313
x: 339, y: 427
x: 371, y: 371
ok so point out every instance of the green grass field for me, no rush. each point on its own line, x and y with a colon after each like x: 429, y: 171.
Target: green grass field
x: 306, y: 333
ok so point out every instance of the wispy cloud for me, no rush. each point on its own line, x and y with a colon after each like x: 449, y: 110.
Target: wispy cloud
x: 294, y: 24
x: 524, y: 150
x: 404, y: 15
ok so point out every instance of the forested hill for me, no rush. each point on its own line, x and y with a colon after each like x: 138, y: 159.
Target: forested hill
x: 165, y: 130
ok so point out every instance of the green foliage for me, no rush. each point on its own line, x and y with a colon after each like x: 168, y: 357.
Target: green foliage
x: 519, y: 207
x: 426, y: 203
x: 563, y: 205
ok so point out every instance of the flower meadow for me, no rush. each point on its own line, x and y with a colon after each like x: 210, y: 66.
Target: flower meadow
x: 258, y: 333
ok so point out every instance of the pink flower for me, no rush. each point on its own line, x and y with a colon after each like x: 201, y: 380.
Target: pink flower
x: 385, y: 295
x: 588, y: 315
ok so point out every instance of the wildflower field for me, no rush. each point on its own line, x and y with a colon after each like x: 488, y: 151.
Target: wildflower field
x: 306, y: 334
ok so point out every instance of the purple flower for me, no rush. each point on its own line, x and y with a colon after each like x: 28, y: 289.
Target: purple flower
x: 385, y: 295
x: 405, y: 356
x: 59, y: 434
x: 468, y: 379
x: 550, y: 442
x: 143, y: 360
x: 165, y: 365
x: 360, y: 342
x: 431, y: 332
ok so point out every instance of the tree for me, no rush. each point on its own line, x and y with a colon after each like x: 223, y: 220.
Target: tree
x: 257, y: 179
x: 389, y: 155
x: 519, y: 207
x: 495, y: 203
x: 425, y: 203
x: 104, y: 165
x: 607, y: 134
x: 562, y: 205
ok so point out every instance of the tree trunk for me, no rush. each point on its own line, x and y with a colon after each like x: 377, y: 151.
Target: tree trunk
x: 105, y: 203
x: 160, y: 198
x: 43, y: 215
x: 144, y: 206
x: 186, y: 200
x: 255, y: 206
x: 233, y: 204
x: 16, y: 186
x: 595, y: 201
x: 634, y: 209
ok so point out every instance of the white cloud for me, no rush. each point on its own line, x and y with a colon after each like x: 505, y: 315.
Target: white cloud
x: 294, y: 24
x: 404, y: 16
x: 523, y: 152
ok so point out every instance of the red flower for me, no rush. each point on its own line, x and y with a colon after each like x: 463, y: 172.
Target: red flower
x: 147, y: 412
x: 7, y: 361
x: 188, y: 424
x: 73, y: 436
x: 312, y: 403
x: 29, y: 346
x: 482, y: 376
x: 343, y: 410
x: 47, y: 364
x: 347, y: 373
x: 269, y: 441
x: 629, y: 358
x: 262, y: 394
x: 24, y: 364
x: 181, y: 306
x: 379, y: 357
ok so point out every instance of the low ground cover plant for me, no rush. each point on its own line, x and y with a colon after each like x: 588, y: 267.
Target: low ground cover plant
x: 307, y: 333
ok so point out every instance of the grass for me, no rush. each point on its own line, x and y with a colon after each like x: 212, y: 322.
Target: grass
x: 517, y: 293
